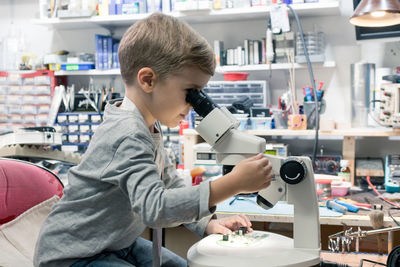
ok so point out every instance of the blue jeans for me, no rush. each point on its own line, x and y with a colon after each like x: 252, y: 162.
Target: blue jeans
x: 139, y: 254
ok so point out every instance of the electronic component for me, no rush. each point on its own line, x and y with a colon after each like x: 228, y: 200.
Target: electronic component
x: 327, y: 165
x: 242, y: 230
x: 392, y: 173
x: 372, y: 167
x: 386, y: 109
x: 31, y: 136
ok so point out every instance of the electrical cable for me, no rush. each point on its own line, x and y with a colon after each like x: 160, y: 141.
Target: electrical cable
x: 371, y: 261
x: 372, y: 110
x: 314, y: 89
x: 391, y: 216
x: 332, y: 264
x: 379, y: 194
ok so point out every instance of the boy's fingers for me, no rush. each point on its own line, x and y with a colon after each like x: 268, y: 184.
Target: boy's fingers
x: 256, y: 157
x: 269, y: 173
x: 239, y: 221
x: 222, y: 230
x: 266, y: 184
x: 248, y: 223
x: 265, y: 162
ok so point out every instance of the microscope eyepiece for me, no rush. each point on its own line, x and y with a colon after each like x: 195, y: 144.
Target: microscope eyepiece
x: 200, y: 101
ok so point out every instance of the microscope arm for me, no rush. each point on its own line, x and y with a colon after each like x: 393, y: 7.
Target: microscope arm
x: 297, y: 177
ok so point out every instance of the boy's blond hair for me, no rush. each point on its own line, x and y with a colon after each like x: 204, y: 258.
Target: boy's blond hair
x: 164, y: 44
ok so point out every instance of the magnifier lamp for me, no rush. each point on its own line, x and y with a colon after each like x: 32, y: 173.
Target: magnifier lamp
x: 376, y: 13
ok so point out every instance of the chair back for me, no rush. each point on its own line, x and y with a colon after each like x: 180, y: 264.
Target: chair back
x: 24, y: 185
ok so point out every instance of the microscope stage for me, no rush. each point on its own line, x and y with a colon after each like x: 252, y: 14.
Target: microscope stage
x: 252, y: 239
x: 257, y: 248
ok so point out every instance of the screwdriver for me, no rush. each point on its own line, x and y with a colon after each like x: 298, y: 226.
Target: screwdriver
x: 350, y: 207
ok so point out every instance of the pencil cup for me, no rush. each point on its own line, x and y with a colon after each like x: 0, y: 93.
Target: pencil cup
x: 280, y: 118
x: 309, y: 111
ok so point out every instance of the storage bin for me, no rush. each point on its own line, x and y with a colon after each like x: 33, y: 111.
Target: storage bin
x: 225, y: 93
x: 261, y: 123
x: 340, y: 189
x: 243, y: 119
x: 323, y: 188
x: 235, y: 76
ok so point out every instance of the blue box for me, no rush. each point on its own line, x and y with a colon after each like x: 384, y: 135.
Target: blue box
x: 77, y: 66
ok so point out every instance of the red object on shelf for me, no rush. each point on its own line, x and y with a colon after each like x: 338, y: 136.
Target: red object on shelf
x: 235, y: 76
x: 39, y: 73
x: 323, y: 181
x: 183, y: 125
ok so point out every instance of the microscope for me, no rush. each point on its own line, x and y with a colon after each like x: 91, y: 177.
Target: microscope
x: 294, y: 180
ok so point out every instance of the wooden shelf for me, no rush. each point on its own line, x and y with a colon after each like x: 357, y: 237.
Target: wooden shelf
x: 207, y: 16
x: 275, y: 66
x: 87, y: 72
x: 35, y: 151
x: 260, y: 67
x: 355, y: 132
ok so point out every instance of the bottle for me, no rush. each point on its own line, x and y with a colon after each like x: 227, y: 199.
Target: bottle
x: 344, y: 171
x: 182, y: 125
x: 43, y: 9
x: 269, y: 44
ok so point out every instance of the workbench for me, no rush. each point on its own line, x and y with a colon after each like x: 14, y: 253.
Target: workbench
x: 344, y: 220
x: 180, y: 239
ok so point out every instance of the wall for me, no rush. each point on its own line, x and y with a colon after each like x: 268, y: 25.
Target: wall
x: 342, y: 48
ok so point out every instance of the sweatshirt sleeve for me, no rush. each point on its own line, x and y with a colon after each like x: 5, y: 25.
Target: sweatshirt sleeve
x: 172, y: 180
x: 134, y: 171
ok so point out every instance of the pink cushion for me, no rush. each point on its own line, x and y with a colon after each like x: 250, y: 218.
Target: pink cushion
x: 24, y: 185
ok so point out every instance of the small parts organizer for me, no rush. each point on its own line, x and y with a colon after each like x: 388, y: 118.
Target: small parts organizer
x: 25, y: 98
x: 78, y: 128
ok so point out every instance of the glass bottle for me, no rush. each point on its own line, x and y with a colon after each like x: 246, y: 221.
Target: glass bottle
x: 344, y: 170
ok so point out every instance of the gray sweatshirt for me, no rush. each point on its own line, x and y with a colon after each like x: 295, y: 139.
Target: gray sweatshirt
x: 116, y: 191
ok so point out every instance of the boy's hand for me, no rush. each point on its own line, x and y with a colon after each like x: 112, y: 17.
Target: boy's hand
x: 253, y: 174
x: 228, y: 224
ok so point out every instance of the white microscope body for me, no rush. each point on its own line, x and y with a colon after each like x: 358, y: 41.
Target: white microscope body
x: 293, y: 178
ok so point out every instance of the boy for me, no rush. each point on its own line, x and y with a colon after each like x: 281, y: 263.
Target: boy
x: 121, y: 186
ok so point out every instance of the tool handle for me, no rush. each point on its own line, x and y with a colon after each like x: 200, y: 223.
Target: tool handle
x: 350, y: 207
x: 365, y: 205
x: 335, y: 206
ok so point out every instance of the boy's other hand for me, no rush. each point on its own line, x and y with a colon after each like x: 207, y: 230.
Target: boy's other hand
x: 228, y: 224
x: 253, y: 174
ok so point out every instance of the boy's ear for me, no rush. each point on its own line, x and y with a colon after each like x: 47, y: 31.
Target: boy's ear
x: 146, y: 78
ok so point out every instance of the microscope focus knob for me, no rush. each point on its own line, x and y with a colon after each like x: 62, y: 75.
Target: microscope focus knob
x: 293, y: 170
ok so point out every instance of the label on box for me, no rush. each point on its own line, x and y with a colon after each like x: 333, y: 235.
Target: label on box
x: 73, y: 128
x: 345, y: 176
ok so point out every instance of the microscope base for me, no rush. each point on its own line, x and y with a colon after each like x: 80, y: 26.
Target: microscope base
x: 253, y: 249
